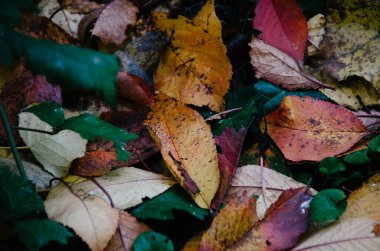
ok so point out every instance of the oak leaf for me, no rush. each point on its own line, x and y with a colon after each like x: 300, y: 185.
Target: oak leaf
x: 282, y: 25
x: 112, y: 21
x: 364, y: 201
x: 325, y: 130
x: 187, y: 146
x: 344, y: 235
x: 194, y: 68
x: 91, y: 217
x: 279, y: 68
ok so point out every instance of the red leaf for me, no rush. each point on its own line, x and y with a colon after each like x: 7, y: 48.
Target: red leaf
x: 230, y: 143
x: 132, y: 87
x: 282, y: 25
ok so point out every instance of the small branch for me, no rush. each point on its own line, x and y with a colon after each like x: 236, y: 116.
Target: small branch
x: 12, y: 142
x: 217, y: 116
x: 18, y: 148
x: 33, y: 130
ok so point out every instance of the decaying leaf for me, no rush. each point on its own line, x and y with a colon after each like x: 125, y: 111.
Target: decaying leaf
x: 370, y: 120
x: 325, y: 130
x: 187, y: 147
x: 129, y: 229
x: 111, y: 21
x: 134, y: 88
x: 283, y: 224
x: 92, y: 218
x: 315, y: 35
x: 282, y: 25
x: 364, y: 201
x: 230, y: 225
x: 279, y: 68
x: 351, y: 45
x: 127, y: 186
x: 344, y: 235
x: 54, y: 152
x: 248, y: 179
x: 194, y: 68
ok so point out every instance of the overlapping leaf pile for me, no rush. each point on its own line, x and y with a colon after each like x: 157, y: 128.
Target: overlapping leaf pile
x: 242, y: 138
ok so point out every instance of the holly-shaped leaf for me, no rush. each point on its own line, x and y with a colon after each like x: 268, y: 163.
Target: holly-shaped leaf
x: 194, y: 68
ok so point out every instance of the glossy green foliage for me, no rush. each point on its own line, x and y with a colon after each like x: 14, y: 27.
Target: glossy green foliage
x: 150, y: 240
x: 36, y: 233
x: 90, y: 127
x: 162, y: 206
x: 327, y: 206
x: 49, y: 112
x: 358, y: 158
x: 18, y: 196
x: 331, y: 165
x: 374, y: 144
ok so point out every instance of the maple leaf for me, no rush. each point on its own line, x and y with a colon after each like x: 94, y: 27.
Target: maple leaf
x: 187, y: 146
x: 325, y: 130
x: 279, y: 68
x: 282, y: 25
x: 112, y: 21
x: 194, y: 68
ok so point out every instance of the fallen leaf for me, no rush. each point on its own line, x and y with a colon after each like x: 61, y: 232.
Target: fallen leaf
x: 349, y: 91
x: 351, y: 45
x: 112, y: 21
x: 370, y: 120
x: 151, y: 240
x: 134, y: 88
x: 187, y: 147
x: 364, y: 201
x: 282, y: 25
x: 316, y: 27
x: 81, y: 6
x: 194, y: 68
x: 126, y: 186
x: 54, y: 152
x: 279, y: 68
x: 344, y: 235
x: 283, y: 224
x: 230, y: 225
x: 248, y: 179
x: 129, y: 229
x: 230, y: 143
x: 326, y: 129
x: 193, y: 244
x: 91, y: 217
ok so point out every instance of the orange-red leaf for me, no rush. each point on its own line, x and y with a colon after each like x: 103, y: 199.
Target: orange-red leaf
x: 194, y: 68
x: 187, y: 147
x: 311, y: 129
x: 282, y: 25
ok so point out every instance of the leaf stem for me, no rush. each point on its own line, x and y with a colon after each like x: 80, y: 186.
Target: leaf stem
x: 33, y: 130
x: 15, y: 153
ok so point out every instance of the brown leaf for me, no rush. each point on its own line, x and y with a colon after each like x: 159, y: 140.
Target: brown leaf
x: 279, y: 68
x: 283, y: 224
x: 232, y: 222
x: 194, y: 68
x: 187, y: 147
x: 325, y: 130
x: 134, y: 88
x: 111, y: 21
x: 129, y: 229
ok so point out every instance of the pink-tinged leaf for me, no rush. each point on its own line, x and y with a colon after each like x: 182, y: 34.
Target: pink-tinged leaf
x: 230, y: 143
x: 134, y: 88
x: 282, y: 25
x: 283, y: 224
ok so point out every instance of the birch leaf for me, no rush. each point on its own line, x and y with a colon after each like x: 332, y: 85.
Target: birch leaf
x: 54, y: 152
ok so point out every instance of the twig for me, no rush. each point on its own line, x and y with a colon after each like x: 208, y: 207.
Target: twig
x: 217, y: 116
x: 33, y: 130
x: 262, y: 181
x: 15, y: 153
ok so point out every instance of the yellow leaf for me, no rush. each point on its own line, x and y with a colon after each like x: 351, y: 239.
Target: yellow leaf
x: 230, y: 225
x: 365, y: 201
x: 194, y: 68
x: 187, y: 147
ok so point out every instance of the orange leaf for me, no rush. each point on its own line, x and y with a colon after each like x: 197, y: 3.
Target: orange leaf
x: 194, y: 68
x: 230, y: 225
x: 311, y: 129
x: 187, y: 147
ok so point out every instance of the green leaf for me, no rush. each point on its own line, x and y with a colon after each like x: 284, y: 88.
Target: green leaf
x: 358, y: 158
x: 239, y: 97
x: 90, y: 127
x: 328, y: 205
x: 71, y: 66
x: 36, y: 233
x: 18, y: 196
x: 374, y: 144
x: 162, y: 206
x: 150, y: 240
x: 49, y: 112
x: 331, y: 165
